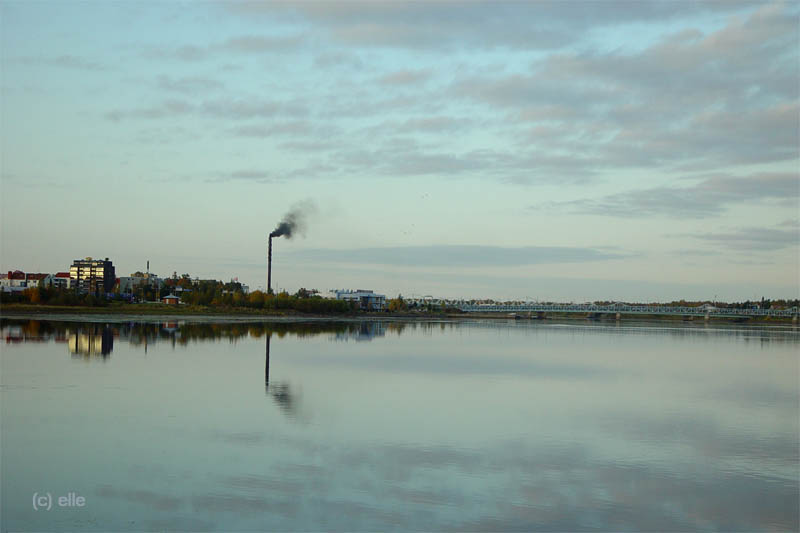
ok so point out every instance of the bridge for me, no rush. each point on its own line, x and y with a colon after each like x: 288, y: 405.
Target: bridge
x: 625, y: 309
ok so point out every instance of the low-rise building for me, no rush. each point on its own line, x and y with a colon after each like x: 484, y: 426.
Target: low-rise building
x: 18, y: 281
x: 130, y: 284
x: 61, y: 280
x: 170, y: 299
x: 366, y: 299
x: 34, y: 280
x: 14, y: 281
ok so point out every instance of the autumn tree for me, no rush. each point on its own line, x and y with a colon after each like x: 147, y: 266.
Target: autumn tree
x: 398, y: 304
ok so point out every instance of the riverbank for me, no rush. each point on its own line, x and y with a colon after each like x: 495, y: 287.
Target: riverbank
x: 157, y: 312
x: 140, y: 309
x: 609, y: 317
x: 163, y: 312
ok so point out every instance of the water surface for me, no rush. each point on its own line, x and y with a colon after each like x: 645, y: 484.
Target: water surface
x: 391, y: 425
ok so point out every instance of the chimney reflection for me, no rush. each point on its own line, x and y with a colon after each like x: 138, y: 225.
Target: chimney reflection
x: 280, y: 392
x: 266, y: 365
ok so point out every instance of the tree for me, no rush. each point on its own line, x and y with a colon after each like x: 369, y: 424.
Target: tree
x: 32, y: 294
x: 239, y: 299
x: 282, y: 300
x: 398, y: 304
x: 256, y: 299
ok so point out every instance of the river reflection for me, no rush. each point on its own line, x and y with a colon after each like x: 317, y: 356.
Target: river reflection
x: 93, y: 338
x: 98, y: 337
x: 482, y: 425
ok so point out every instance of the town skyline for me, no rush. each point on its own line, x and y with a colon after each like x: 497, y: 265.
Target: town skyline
x: 551, y: 150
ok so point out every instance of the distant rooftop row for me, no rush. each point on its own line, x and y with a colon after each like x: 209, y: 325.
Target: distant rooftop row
x: 98, y: 276
x: 85, y: 275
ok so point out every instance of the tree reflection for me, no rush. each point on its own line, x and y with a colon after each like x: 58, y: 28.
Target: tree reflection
x: 99, y: 337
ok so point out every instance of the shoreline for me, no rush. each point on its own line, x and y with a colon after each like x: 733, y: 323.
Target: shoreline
x: 162, y: 312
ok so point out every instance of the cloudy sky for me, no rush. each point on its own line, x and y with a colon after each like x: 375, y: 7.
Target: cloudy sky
x: 569, y: 150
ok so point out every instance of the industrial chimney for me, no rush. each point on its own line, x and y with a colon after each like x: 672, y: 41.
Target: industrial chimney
x: 293, y: 221
x: 269, y: 266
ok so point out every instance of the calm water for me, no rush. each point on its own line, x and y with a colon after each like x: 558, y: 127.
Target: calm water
x: 386, y: 425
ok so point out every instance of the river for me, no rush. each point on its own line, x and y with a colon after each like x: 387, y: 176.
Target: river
x: 367, y: 426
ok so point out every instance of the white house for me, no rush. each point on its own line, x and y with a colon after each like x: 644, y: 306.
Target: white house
x: 366, y: 299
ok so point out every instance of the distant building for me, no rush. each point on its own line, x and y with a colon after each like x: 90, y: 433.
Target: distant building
x: 129, y: 284
x: 244, y: 288
x: 13, y: 281
x: 93, y: 275
x: 425, y: 301
x: 61, y: 280
x: 366, y: 299
x: 18, y: 281
x: 170, y: 299
x: 46, y: 280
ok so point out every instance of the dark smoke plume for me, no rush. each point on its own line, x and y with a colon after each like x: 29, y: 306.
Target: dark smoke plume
x: 294, y: 221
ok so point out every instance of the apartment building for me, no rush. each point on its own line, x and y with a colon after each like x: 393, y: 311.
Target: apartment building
x: 93, y: 275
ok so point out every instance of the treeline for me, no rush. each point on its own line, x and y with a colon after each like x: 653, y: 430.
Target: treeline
x: 399, y: 305
x: 209, y: 294
x: 53, y: 296
x: 217, y: 294
x: 764, y: 303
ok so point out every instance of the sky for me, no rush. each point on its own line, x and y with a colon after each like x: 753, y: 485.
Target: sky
x: 564, y: 151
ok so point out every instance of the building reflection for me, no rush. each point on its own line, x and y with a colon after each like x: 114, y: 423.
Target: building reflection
x: 365, y: 331
x: 97, y: 340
